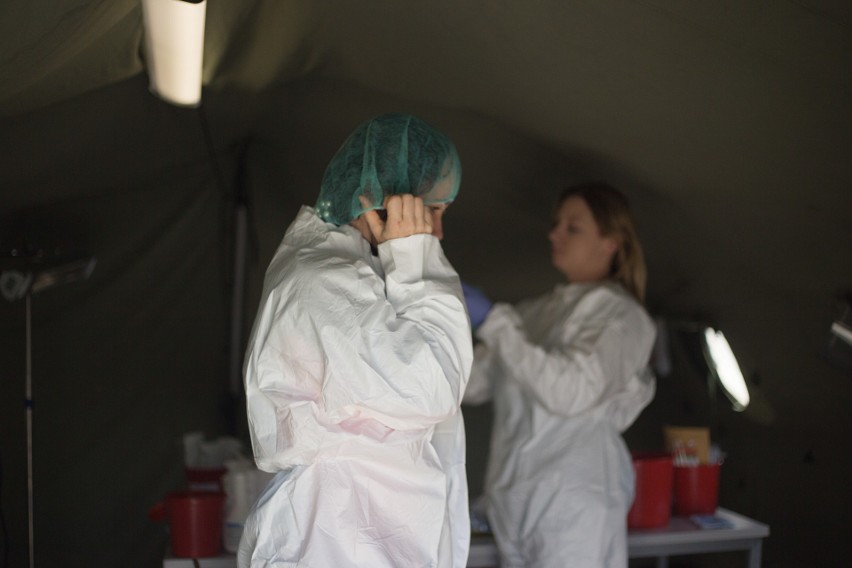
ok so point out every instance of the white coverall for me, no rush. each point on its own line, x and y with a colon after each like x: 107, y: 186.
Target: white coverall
x: 568, y: 373
x: 354, y: 374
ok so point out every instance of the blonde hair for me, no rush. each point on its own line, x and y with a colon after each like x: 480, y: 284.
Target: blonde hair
x: 611, y: 211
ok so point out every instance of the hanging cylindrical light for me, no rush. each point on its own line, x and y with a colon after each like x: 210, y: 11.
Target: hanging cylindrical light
x: 174, y: 48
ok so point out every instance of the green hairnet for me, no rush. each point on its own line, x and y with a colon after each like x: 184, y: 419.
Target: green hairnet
x: 391, y: 154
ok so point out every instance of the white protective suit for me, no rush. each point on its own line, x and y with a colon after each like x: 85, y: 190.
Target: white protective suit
x: 354, y: 374
x: 568, y: 373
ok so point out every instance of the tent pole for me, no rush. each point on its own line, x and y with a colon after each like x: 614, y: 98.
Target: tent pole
x: 237, y: 298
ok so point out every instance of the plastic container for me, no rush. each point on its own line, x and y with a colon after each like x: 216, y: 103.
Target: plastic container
x: 652, y: 503
x: 195, y: 523
x: 237, y: 504
x: 696, y: 489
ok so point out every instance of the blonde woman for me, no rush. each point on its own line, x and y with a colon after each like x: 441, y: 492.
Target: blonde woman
x: 567, y: 373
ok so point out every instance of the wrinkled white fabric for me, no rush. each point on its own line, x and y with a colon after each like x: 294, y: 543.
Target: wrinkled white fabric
x: 354, y: 374
x: 568, y: 373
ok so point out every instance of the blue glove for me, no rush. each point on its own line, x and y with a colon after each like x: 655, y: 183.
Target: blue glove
x: 478, y: 304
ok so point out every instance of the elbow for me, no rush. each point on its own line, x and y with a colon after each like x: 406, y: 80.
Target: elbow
x: 571, y: 395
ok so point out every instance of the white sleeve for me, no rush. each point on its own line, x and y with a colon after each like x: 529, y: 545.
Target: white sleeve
x: 427, y: 341
x: 576, y: 377
x: 479, y: 386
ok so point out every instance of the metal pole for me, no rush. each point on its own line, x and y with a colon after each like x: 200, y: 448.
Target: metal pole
x: 237, y: 299
x: 28, y: 401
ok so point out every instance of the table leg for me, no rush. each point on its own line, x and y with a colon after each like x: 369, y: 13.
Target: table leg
x: 662, y: 562
x: 754, y: 554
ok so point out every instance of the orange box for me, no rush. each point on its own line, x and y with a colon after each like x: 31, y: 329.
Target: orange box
x: 690, y: 440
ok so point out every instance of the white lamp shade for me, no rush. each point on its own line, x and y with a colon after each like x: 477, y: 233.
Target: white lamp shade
x: 174, y: 44
x: 726, y: 368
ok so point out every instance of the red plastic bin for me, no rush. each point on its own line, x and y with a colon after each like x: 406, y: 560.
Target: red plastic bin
x: 696, y: 489
x: 195, y: 523
x: 652, y: 503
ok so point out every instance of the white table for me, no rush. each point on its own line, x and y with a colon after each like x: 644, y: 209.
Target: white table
x: 681, y: 536
x: 224, y: 560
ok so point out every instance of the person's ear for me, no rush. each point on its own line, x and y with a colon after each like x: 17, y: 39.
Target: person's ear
x: 611, y: 245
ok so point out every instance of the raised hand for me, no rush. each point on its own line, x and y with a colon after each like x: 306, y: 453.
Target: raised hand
x: 406, y: 216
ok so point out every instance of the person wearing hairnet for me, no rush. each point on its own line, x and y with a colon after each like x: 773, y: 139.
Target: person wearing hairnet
x: 357, y: 364
x: 567, y: 373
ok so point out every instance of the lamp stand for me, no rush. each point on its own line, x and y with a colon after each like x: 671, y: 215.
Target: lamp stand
x: 28, y: 402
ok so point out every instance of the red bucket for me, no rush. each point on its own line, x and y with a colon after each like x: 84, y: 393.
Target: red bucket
x: 195, y: 523
x: 652, y: 503
x: 696, y: 489
x: 204, y: 479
